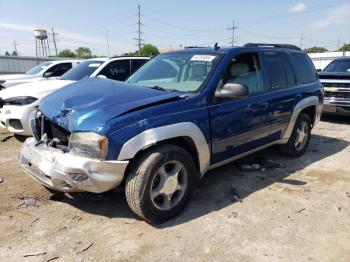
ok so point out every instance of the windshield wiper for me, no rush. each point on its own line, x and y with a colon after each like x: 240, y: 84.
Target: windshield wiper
x: 163, y: 89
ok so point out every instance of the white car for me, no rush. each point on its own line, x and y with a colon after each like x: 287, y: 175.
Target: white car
x: 39, y: 72
x: 17, y: 102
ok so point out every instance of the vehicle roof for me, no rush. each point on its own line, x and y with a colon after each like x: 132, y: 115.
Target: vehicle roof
x: 230, y: 49
x: 103, y: 59
x: 129, y: 57
x: 345, y: 58
x: 65, y: 61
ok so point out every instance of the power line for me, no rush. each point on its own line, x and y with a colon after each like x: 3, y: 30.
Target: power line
x: 311, y: 9
x: 182, y: 27
x: 233, y: 28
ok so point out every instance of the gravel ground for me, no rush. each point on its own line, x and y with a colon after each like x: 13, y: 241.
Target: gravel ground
x: 298, y: 212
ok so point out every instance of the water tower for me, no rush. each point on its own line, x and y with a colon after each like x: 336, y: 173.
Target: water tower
x: 41, y: 43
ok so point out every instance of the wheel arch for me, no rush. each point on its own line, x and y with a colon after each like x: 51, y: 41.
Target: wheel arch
x: 185, y: 134
x: 310, y: 106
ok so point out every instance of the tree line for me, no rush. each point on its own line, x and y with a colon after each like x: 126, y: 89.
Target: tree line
x: 320, y: 49
x: 85, y: 52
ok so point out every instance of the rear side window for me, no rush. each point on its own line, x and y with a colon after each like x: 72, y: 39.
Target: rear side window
x: 291, y: 79
x: 305, y: 67
x: 59, y: 69
x: 136, y: 64
x: 117, y: 70
x: 277, y: 73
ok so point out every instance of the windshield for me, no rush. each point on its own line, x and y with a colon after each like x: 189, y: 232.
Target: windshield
x: 84, y: 69
x: 184, y: 72
x: 38, y: 68
x: 338, y: 66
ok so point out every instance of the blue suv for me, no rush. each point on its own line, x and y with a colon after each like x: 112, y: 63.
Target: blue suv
x: 180, y: 115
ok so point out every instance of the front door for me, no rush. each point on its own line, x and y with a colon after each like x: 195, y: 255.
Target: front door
x: 240, y: 125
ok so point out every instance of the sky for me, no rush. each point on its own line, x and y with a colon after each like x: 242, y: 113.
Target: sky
x: 173, y: 23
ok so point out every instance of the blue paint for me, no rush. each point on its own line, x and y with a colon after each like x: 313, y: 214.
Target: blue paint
x: 120, y: 111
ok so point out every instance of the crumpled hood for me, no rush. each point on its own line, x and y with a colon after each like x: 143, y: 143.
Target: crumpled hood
x: 88, y: 104
x: 35, y: 89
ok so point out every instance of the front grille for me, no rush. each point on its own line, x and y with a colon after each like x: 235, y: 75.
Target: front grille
x: 55, y: 131
x: 41, y: 125
x: 338, y: 85
x: 343, y: 95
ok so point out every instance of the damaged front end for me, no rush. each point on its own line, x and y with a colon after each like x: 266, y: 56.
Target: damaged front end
x: 49, y: 158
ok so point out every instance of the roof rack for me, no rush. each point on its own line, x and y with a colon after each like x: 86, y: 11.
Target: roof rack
x: 189, y: 47
x: 273, y: 45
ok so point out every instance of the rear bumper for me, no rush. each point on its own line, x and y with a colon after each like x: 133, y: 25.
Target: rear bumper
x: 69, y: 173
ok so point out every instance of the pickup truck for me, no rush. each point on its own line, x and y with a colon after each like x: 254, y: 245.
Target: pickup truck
x: 336, y: 82
x: 180, y: 115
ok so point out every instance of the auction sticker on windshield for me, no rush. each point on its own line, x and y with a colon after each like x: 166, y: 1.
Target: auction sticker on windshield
x: 206, y: 58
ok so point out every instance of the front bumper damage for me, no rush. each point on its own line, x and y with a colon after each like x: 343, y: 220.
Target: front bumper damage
x: 66, y: 172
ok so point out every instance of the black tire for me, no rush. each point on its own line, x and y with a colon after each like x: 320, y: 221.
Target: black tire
x: 141, y: 177
x: 290, y: 148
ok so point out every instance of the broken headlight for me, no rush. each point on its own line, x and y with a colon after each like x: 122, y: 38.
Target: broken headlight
x: 20, y: 100
x: 88, y: 144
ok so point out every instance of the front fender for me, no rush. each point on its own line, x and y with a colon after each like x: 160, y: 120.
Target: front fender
x: 151, y: 136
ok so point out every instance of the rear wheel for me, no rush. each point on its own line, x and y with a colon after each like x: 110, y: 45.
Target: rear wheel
x: 299, y: 140
x: 160, y: 183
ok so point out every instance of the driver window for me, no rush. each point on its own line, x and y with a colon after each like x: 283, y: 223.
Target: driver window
x: 245, y: 69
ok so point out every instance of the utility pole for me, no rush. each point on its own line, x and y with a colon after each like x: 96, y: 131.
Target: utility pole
x: 301, y: 40
x: 15, y: 45
x: 139, y: 32
x: 339, y: 41
x: 233, y: 28
x: 54, y: 39
x: 109, y: 53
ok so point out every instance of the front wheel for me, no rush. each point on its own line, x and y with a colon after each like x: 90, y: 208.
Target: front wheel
x: 300, y: 138
x: 160, y: 183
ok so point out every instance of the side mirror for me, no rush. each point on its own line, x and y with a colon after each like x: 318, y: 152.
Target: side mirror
x: 232, y: 90
x: 318, y: 70
x: 102, y: 76
x: 47, y: 74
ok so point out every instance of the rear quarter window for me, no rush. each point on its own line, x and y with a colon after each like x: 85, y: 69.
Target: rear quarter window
x: 277, y: 72
x: 305, y: 68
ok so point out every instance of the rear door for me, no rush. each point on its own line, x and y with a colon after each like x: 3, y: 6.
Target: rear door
x: 240, y: 125
x: 284, y: 92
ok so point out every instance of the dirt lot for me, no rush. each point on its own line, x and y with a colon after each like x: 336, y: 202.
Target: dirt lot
x: 299, y: 212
